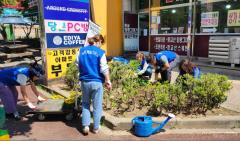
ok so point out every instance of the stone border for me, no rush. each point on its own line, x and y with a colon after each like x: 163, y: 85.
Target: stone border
x: 212, y: 122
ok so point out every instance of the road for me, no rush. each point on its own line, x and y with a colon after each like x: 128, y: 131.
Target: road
x: 55, y: 128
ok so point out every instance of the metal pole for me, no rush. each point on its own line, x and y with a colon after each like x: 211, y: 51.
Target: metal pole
x: 42, y: 39
x: 194, y: 27
x: 189, y: 29
x: 149, y: 26
x: 14, y: 35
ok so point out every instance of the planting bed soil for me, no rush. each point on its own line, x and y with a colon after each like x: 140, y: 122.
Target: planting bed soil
x: 144, y: 111
x: 215, y: 112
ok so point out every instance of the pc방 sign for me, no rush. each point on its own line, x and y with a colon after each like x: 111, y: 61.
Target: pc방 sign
x: 66, y: 27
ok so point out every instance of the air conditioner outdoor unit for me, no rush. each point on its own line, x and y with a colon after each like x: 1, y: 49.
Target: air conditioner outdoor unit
x: 219, y: 49
x: 224, y: 49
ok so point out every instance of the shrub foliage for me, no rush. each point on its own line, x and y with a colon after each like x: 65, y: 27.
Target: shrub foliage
x: 187, y: 95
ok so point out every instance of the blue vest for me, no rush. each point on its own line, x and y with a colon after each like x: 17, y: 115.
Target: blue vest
x: 196, y: 72
x: 9, y: 76
x: 89, y: 64
x: 142, y: 64
x: 171, y: 56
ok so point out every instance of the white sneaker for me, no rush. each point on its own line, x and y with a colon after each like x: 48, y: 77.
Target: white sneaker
x: 85, y: 130
x: 40, y: 98
x: 95, y: 131
x: 31, y: 106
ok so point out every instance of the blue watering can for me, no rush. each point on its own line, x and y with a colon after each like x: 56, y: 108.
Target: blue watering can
x: 143, y: 125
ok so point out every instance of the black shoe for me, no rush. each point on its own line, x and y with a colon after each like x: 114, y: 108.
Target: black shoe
x: 11, y: 116
x: 17, y: 118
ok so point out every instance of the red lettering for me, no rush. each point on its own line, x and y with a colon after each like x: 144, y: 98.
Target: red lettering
x: 77, y: 27
x: 69, y: 26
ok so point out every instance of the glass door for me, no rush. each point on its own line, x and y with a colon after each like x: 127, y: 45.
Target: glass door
x: 143, y: 34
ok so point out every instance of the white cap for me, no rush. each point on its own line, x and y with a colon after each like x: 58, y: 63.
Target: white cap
x: 171, y: 115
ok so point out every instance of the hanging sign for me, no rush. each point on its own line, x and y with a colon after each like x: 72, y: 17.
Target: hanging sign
x: 209, y: 19
x: 93, y: 29
x: 59, y: 60
x: 233, y: 18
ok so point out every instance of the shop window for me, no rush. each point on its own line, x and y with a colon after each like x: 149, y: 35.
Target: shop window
x: 158, y: 3
x: 169, y: 21
x: 143, y: 4
x: 218, y: 17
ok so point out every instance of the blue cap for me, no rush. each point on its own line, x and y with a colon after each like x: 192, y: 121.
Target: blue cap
x: 36, y: 70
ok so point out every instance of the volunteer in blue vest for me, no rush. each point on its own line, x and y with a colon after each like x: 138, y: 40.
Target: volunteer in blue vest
x: 163, y: 63
x: 94, y: 71
x: 18, y: 76
x: 145, y: 69
x: 187, y: 67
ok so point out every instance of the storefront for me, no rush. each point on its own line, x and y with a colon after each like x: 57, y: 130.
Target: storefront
x: 186, y: 26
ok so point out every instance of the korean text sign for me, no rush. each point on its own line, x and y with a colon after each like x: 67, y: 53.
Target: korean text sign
x: 65, y: 17
x: 66, y: 27
x: 233, y: 18
x: 176, y: 43
x: 209, y: 19
x: 59, y: 60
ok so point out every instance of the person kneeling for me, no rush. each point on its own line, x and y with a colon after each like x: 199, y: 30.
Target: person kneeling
x: 145, y: 69
x: 187, y: 67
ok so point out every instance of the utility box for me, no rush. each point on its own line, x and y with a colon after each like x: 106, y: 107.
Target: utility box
x: 235, y: 50
x: 224, y: 49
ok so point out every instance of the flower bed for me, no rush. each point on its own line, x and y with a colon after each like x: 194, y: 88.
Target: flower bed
x: 131, y: 93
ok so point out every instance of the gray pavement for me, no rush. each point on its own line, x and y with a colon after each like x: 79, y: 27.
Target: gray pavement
x: 59, y: 130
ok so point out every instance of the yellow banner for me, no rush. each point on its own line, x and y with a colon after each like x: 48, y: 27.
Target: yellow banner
x: 233, y: 18
x: 58, y: 61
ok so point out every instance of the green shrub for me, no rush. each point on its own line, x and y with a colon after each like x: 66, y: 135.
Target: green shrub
x: 202, y: 94
x: 188, y: 95
x: 72, y: 76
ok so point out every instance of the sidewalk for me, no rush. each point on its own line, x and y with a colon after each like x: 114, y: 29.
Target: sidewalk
x: 233, y: 100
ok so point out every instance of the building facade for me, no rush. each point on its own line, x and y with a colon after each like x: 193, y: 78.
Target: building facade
x: 200, y: 28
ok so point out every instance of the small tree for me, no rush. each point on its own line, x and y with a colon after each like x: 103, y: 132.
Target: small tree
x: 28, y: 29
x: 3, y: 32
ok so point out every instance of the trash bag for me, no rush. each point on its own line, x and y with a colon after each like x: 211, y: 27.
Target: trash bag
x: 120, y: 59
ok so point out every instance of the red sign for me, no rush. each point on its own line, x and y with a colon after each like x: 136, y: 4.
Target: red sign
x: 176, y: 43
x: 169, y: 1
x: 233, y: 18
x: 17, y: 4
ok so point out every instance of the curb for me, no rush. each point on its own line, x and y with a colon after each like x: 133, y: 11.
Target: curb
x: 212, y: 122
